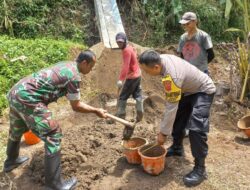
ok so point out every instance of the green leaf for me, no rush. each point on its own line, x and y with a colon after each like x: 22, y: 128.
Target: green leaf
x: 228, y: 8
x: 234, y: 30
x: 240, y: 4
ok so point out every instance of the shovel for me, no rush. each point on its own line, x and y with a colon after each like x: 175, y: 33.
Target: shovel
x: 122, y: 121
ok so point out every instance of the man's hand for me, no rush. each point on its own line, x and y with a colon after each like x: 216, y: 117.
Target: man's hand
x: 127, y: 132
x: 101, y: 113
x: 119, y: 84
x: 161, y: 138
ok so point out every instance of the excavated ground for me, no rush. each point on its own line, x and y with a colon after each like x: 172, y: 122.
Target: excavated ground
x: 92, y: 151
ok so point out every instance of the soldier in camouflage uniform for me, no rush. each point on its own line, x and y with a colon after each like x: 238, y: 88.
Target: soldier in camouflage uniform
x: 28, y: 101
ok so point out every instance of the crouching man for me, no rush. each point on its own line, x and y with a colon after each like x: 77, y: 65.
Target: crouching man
x: 28, y: 101
x: 189, y: 95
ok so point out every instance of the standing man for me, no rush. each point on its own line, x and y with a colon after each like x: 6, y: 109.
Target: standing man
x: 28, y: 101
x: 189, y: 95
x: 195, y: 45
x: 129, y: 82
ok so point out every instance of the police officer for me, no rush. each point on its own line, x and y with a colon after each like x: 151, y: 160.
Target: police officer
x: 28, y: 101
x: 189, y: 95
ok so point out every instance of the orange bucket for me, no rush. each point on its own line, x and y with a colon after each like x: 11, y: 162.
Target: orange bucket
x: 30, y: 138
x: 153, y: 159
x: 131, y: 147
x: 244, y: 125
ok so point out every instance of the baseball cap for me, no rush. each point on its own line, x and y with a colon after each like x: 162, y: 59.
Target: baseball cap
x: 187, y: 17
x: 121, y: 37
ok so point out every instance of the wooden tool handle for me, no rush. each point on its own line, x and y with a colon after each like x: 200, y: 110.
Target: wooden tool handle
x: 122, y: 121
x: 152, y: 146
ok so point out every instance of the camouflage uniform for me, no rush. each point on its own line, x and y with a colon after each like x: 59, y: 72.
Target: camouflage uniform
x: 28, y: 100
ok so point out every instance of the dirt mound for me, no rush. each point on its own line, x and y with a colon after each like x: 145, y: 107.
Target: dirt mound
x: 105, y: 74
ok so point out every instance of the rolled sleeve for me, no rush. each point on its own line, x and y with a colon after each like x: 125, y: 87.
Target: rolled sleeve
x: 208, y: 42
x: 167, y: 123
x: 73, y: 90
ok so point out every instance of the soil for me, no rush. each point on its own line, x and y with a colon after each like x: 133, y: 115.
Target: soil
x: 92, y: 150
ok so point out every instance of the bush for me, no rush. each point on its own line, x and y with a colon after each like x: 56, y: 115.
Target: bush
x: 40, y: 53
x: 61, y: 19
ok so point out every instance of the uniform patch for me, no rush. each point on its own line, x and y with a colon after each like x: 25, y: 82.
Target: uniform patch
x: 173, y: 92
x: 167, y: 85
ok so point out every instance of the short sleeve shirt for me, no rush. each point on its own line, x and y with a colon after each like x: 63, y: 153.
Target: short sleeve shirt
x: 47, y: 85
x: 194, y: 49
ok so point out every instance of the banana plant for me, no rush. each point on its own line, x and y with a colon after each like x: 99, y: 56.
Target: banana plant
x: 244, y: 7
x: 7, y: 22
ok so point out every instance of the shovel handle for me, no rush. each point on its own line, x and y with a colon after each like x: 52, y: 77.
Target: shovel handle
x: 152, y: 146
x: 122, y: 121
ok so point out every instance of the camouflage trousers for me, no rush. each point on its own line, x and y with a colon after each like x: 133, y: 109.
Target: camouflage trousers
x: 37, y: 118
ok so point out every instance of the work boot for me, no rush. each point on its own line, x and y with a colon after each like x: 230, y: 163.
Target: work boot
x: 198, y: 174
x: 121, y: 109
x: 139, y: 111
x: 13, y: 160
x: 175, y: 150
x: 53, y: 180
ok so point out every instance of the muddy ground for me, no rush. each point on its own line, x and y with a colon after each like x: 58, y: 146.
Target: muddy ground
x: 92, y: 151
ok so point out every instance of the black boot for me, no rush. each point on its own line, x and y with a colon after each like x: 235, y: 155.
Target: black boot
x: 198, y: 174
x: 13, y: 161
x: 175, y: 150
x: 139, y: 110
x: 53, y: 180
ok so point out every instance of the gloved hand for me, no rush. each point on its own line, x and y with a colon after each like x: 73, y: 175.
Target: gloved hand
x: 127, y: 132
x: 119, y: 84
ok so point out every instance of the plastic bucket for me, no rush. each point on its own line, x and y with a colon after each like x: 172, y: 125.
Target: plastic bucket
x: 244, y: 125
x: 30, y: 138
x: 153, y: 159
x: 131, y: 147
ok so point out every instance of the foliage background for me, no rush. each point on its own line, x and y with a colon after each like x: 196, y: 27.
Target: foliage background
x: 33, y: 26
x: 155, y: 22
x: 58, y: 19
x: 40, y: 53
x: 148, y: 22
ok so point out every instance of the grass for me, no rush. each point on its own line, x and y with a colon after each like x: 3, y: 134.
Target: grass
x: 39, y: 53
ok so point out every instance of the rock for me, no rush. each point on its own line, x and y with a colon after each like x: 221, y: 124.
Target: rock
x: 91, y: 137
x: 83, y: 158
x: 112, y: 135
x: 222, y: 113
x: 105, y: 170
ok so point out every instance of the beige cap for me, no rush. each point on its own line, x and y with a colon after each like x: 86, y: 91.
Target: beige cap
x: 187, y: 17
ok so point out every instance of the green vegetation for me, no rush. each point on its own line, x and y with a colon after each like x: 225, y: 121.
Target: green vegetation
x: 147, y: 22
x: 40, y: 53
x: 60, y: 19
x: 155, y: 22
x: 244, y: 8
